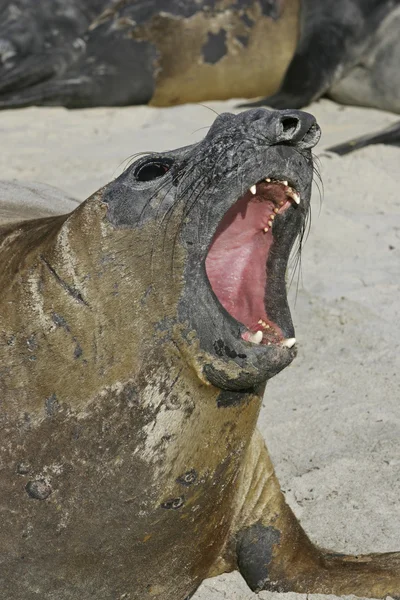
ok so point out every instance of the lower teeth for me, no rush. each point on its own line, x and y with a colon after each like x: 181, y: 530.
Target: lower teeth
x: 256, y: 337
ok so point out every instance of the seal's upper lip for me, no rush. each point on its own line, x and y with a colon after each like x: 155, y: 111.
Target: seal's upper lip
x: 237, y: 260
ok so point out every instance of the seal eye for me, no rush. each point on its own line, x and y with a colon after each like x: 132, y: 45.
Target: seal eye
x: 152, y: 170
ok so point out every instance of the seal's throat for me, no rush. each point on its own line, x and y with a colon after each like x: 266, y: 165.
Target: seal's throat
x: 237, y: 260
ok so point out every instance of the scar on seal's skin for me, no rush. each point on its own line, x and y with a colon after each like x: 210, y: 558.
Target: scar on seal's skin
x: 73, y: 292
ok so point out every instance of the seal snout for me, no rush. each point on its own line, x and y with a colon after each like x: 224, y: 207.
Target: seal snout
x: 296, y: 127
x: 254, y: 208
x: 288, y: 127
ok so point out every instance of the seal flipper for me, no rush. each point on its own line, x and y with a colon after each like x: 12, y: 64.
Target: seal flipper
x: 274, y: 553
x: 389, y: 135
x: 20, y: 80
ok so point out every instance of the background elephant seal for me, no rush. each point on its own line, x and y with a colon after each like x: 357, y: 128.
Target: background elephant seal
x: 171, y: 53
x: 292, y: 51
x: 137, y: 334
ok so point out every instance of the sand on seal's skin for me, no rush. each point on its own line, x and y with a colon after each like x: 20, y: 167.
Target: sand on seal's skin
x: 331, y: 419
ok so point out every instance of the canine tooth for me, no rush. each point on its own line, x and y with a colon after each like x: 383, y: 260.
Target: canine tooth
x: 296, y: 198
x: 289, y: 342
x: 294, y: 195
x: 284, y: 182
x: 256, y: 337
x: 253, y: 189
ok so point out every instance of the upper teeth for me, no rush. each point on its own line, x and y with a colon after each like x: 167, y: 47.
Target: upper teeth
x: 294, y: 195
x: 289, y: 191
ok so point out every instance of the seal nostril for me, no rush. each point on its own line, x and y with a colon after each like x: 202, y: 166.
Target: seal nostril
x: 296, y: 127
x: 312, y: 136
x: 289, y: 125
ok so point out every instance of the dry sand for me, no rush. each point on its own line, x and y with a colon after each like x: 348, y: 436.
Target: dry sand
x: 332, y: 419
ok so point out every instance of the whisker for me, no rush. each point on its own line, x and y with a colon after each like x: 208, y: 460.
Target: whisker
x: 130, y: 159
x: 208, y: 108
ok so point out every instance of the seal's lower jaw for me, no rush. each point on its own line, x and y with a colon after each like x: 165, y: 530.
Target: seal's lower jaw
x: 246, y: 267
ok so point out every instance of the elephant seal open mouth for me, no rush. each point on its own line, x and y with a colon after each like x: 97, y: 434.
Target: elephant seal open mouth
x: 246, y: 223
x: 136, y: 337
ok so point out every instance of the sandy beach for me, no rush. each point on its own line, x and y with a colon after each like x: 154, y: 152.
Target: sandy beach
x: 332, y: 419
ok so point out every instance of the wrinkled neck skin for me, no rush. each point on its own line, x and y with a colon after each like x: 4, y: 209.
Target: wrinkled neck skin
x: 100, y: 303
x: 96, y: 301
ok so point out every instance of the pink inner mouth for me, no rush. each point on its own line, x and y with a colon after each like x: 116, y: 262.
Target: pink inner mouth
x: 236, y: 263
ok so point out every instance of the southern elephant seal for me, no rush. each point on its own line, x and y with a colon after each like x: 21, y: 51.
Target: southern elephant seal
x: 172, y: 52
x: 137, y: 335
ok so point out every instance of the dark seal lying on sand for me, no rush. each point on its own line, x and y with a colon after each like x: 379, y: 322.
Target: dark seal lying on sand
x: 292, y: 51
x: 137, y: 335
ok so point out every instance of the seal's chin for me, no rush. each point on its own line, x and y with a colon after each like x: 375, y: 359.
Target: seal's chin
x: 237, y: 263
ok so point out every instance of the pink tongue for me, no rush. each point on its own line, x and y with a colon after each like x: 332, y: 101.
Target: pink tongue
x: 236, y: 261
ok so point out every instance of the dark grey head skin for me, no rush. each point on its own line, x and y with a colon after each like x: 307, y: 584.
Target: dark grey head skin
x: 211, y: 176
x: 38, y: 39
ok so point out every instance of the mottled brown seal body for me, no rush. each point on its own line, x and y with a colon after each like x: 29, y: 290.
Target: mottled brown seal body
x: 166, y: 53
x: 131, y: 466
x: 230, y: 54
